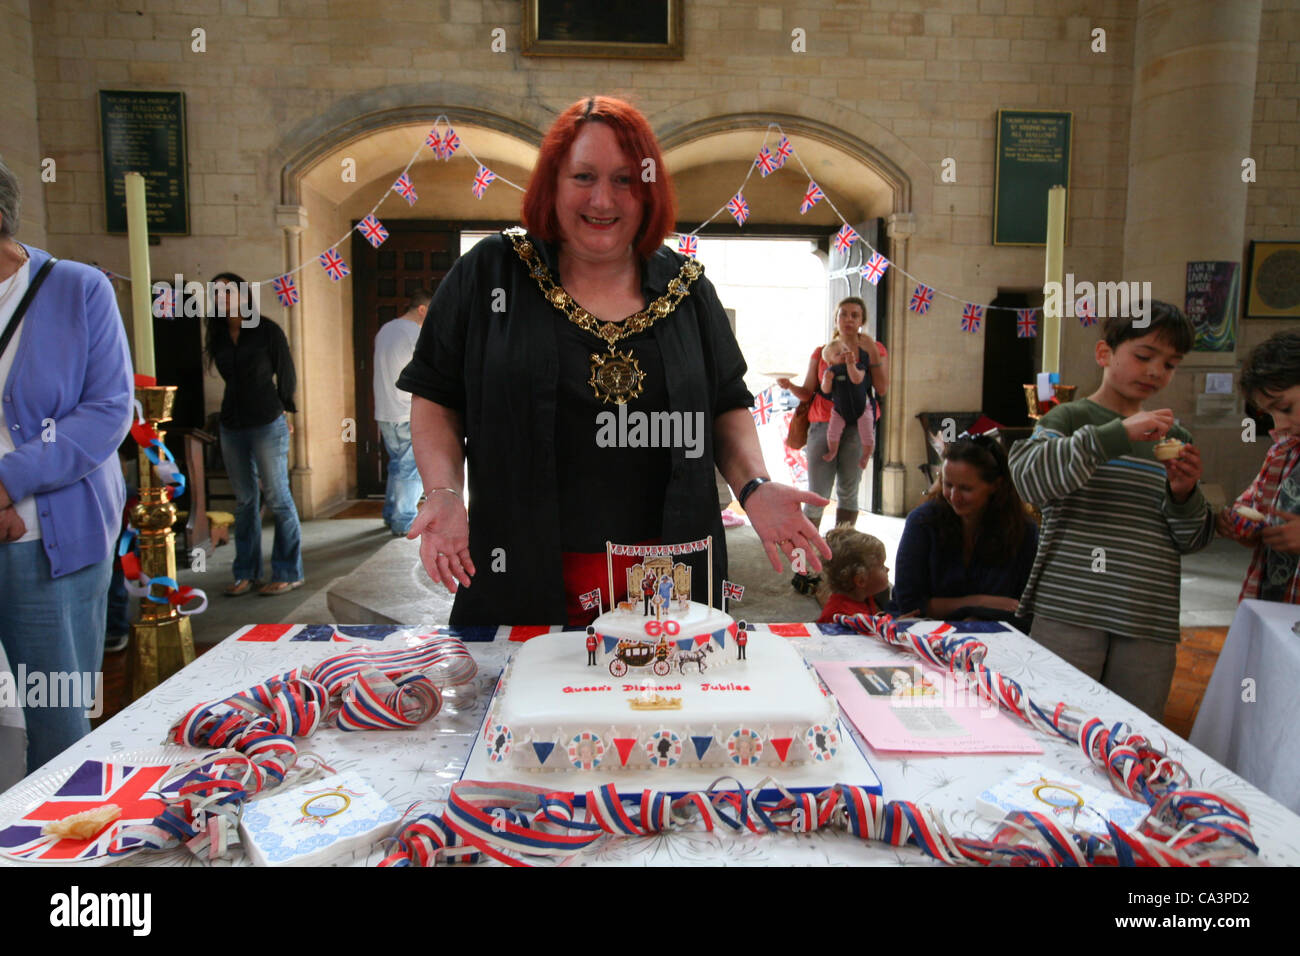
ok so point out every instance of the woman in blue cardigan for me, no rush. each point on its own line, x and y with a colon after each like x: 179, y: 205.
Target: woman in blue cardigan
x: 66, y: 379
x: 967, y: 551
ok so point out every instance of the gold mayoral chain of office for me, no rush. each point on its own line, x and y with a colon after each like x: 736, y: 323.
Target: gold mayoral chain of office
x: 615, y: 377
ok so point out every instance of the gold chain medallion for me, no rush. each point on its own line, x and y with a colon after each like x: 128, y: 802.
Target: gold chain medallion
x: 616, y: 377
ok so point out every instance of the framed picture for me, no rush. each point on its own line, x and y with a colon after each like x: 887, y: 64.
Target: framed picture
x: 622, y: 29
x: 1273, y: 281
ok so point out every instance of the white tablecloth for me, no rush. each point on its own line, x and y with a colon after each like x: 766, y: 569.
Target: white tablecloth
x: 1250, y: 718
x: 422, y: 765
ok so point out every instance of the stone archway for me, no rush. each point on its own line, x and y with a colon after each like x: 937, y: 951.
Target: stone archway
x: 318, y: 207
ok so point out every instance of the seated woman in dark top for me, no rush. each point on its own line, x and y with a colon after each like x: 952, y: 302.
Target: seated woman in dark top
x: 967, y: 551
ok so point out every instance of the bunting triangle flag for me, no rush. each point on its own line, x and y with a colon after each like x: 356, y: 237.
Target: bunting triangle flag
x: 720, y: 636
x: 543, y: 751
x: 702, y: 744
x: 685, y: 643
x: 781, y: 745
x: 624, y: 745
x: 610, y: 643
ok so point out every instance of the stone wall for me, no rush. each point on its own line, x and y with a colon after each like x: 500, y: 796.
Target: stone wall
x: 915, y: 82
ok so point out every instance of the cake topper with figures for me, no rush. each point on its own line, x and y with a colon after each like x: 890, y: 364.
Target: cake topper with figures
x: 658, y: 626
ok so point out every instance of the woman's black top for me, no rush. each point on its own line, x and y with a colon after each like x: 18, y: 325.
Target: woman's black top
x: 259, y: 376
x: 539, y: 482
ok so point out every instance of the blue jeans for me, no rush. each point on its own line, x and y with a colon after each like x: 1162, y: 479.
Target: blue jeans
x: 262, y: 452
x: 53, y: 626
x: 402, y: 494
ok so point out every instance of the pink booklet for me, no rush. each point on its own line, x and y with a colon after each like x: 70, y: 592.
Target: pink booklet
x: 898, y: 706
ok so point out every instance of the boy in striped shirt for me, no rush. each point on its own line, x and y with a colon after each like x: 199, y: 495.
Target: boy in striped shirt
x: 1104, y: 586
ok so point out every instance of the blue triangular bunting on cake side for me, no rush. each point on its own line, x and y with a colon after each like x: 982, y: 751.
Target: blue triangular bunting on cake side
x: 543, y: 751
x: 610, y: 643
x: 701, y: 745
x: 720, y: 636
x: 685, y: 643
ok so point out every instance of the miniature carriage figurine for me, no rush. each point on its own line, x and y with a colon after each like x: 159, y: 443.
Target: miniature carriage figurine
x: 642, y: 654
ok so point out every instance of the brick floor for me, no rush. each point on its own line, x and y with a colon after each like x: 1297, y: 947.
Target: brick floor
x: 1197, y: 655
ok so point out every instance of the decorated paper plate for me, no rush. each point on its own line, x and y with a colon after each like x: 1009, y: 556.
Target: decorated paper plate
x: 129, y: 780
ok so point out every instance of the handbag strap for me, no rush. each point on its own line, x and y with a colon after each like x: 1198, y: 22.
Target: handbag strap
x: 25, y: 301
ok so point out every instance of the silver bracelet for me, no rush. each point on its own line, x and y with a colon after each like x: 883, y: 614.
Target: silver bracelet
x: 432, y: 491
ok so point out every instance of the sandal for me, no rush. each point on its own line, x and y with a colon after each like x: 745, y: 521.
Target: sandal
x: 279, y: 587
x: 240, y: 587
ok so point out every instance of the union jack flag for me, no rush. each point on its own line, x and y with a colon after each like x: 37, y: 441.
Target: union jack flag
x: 590, y: 600
x: 765, y: 162
x: 922, y: 297
x: 845, y: 238
x: 1026, y: 323
x: 874, y: 268
x: 406, y: 189
x: 762, y: 409
x: 738, y: 208
x: 1084, y: 310
x: 733, y: 592
x: 450, y: 143
x: 373, y: 230
x: 971, y: 317
x: 285, y: 290
x: 687, y: 245
x: 811, y: 197
x: 333, y: 263
x: 798, y: 465
x: 434, y: 142
x: 482, y: 178
x: 93, y: 784
x: 783, y: 151
x: 164, y: 304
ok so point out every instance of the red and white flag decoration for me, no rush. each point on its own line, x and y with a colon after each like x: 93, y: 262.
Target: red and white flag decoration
x: 450, y: 143
x: 874, y: 268
x: 1086, y: 313
x: 1026, y: 323
x: 766, y: 162
x: 762, y: 407
x: 733, y: 592
x: 811, y: 197
x: 482, y: 179
x: 406, y: 189
x: 922, y: 299
x: 783, y: 151
x: 285, y: 290
x: 373, y: 230
x: 971, y: 317
x: 845, y: 238
x: 687, y: 246
x: 590, y: 600
x: 738, y: 208
x: 434, y: 142
x: 333, y: 264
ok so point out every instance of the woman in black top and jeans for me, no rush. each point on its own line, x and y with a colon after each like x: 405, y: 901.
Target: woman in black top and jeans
x: 252, y: 355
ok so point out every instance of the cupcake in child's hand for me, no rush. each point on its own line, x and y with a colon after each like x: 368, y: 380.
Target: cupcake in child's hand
x: 1248, y: 521
x: 1168, y: 450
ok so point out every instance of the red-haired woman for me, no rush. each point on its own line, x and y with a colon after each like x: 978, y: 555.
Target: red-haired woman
x: 533, y: 343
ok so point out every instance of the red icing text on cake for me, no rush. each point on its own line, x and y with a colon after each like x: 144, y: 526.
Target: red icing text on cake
x: 724, y: 687
x: 586, y: 690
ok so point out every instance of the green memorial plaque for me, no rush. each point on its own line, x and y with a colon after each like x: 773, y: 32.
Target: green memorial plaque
x: 1033, y: 155
x: 144, y: 132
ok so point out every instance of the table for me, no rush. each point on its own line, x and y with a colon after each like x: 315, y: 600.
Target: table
x: 1250, y: 716
x: 422, y: 765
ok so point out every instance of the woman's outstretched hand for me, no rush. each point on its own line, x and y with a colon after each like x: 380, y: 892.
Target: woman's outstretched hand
x: 442, y: 527
x: 774, y: 511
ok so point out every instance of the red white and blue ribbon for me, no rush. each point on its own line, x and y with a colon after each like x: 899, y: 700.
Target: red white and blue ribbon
x: 444, y: 660
x: 526, y: 826
x: 138, y: 584
x: 374, y: 702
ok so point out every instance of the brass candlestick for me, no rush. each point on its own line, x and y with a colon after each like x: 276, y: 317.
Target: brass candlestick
x: 1064, y: 393
x: 161, y: 639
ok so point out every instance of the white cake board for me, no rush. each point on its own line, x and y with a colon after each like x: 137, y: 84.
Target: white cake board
x: 850, y: 767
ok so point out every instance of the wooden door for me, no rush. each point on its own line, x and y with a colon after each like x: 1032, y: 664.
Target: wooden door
x: 417, y: 252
